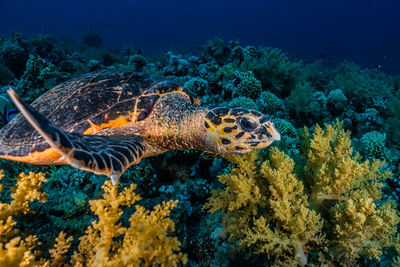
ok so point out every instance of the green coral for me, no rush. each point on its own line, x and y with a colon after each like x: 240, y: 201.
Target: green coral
x: 270, y: 103
x: 137, y: 62
x: 40, y: 75
x: 242, y: 101
x: 365, y: 85
x: 227, y: 72
x: 374, y: 145
x: 337, y: 100
x: 330, y: 212
x: 274, y: 69
x: 247, y: 85
x: 196, y: 85
x: 307, y: 104
x: 393, y: 124
x: 285, y: 128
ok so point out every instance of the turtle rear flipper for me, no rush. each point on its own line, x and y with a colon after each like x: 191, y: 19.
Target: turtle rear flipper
x: 108, y: 155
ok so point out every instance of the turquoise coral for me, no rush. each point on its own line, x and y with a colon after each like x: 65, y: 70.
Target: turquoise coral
x: 247, y: 85
x: 273, y: 68
x: 196, y: 85
x: 39, y: 76
x: 243, y: 101
x: 270, y: 103
x: 374, y: 145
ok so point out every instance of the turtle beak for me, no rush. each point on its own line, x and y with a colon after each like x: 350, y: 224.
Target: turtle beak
x: 270, y: 132
x: 275, y: 134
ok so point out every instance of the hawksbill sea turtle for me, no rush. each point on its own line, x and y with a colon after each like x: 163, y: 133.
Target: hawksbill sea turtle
x: 104, y: 122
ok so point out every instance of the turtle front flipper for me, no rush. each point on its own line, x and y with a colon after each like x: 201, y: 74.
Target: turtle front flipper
x: 108, y: 155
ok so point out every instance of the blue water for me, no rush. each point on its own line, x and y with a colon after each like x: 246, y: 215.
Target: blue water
x: 364, y: 31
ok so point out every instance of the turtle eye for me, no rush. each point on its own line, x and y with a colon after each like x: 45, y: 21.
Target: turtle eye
x: 247, y: 124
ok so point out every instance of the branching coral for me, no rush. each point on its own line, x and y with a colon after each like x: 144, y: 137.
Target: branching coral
x: 285, y: 128
x: 336, y: 101
x: 247, y: 85
x: 145, y: 242
x: 298, y: 224
x: 106, y: 243
x: 196, y: 85
x: 270, y: 103
x: 331, y: 166
x: 138, y: 62
x: 267, y: 207
x: 15, y: 250
x: 307, y: 104
x: 365, y: 86
x: 274, y: 69
x: 374, y: 145
x: 39, y: 76
x: 243, y: 101
x: 363, y: 225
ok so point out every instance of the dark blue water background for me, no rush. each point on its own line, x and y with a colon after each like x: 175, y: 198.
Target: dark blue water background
x: 366, y: 32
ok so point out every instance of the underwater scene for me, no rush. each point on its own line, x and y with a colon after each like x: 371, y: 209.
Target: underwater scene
x: 210, y: 133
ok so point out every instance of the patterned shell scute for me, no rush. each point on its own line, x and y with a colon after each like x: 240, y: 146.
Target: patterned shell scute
x: 93, y: 98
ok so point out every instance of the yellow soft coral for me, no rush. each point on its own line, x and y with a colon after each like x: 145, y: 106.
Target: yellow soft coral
x: 331, y: 166
x: 267, y: 207
x: 144, y: 243
x: 14, y: 250
x: 61, y: 246
x: 290, y: 208
x: 362, y: 229
x: 27, y: 190
x: 258, y: 198
x: 353, y: 188
x: 242, y: 197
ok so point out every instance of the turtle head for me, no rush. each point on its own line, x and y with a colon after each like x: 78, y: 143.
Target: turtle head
x: 238, y: 130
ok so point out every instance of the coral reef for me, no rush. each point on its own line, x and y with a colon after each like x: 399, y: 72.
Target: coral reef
x: 14, y: 249
x: 273, y: 68
x: 247, y: 85
x: 345, y: 197
x: 13, y: 55
x: 243, y: 101
x: 374, y: 145
x: 145, y: 242
x: 266, y: 207
x: 196, y: 85
x: 271, y: 104
x: 39, y: 76
x: 176, y: 65
x: 364, y: 87
x: 137, y: 61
